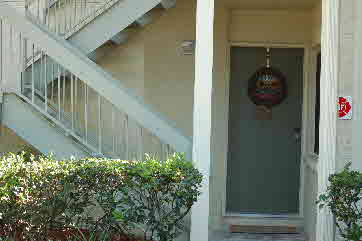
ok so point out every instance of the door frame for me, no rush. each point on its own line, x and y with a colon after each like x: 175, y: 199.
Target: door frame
x: 307, y: 118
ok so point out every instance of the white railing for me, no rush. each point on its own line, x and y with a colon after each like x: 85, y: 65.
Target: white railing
x: 66, y: 17
x: 71, y: 104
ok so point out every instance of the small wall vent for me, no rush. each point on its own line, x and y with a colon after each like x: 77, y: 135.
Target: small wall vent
x: 188, y: 47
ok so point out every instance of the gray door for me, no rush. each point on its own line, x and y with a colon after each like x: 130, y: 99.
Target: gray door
x: 264, y: 155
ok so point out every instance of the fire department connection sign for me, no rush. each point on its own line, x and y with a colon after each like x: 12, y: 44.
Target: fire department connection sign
x: 345, y: 108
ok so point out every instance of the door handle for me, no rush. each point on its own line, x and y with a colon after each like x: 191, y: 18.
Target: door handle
x: 297, y: 134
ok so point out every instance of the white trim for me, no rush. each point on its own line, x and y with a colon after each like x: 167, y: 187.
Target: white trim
x: 306, y: 79
x: 271, y: 44
x: 203, y: 91
x: 227, y: 104
x: 269, y: 12
x: 330, y: 37
x: 311, y: 162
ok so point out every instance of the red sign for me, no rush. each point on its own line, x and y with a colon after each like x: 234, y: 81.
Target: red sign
x: 345, y: 108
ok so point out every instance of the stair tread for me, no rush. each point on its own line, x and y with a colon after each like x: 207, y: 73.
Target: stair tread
x: 264, y: 237
x: 262, y: 229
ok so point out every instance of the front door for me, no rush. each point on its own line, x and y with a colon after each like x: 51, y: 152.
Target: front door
x: 263, y: 173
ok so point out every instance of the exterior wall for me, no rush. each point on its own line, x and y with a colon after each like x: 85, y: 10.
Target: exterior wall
x: 346, y: 77
x: 317, y: 24
x: 169, y: 75
x: 10, y: 142
x: 130, y: 62
x: 271, y: 26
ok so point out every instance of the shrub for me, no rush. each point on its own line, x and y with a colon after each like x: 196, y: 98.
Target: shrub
x: 39, y: 195
x: 157, y: 196
x: 343, y: 198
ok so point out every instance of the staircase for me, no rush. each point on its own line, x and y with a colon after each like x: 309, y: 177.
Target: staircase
x: 88, y: 25
x: 57, y: 84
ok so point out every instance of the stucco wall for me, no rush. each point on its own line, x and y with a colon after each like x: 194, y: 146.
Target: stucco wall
x: 346, y: 77
x: 10, y: 142
x: 316, y: 17
x: 271, y: 26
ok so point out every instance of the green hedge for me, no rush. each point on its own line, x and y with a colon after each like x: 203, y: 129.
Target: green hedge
x: 152, y: 197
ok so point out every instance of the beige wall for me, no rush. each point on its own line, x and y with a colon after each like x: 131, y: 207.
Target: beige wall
x: 10, y: 142
x: 169, y: 75
x: 271, y: 26
x: 316, y: 17
x: 346, y: 77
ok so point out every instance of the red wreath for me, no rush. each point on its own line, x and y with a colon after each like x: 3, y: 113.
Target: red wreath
x: 267, y: 87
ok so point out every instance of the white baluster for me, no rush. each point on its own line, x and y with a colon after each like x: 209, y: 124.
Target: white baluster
x: 85, y: 8
x: 76, y: 99
x: 63, y: 83
x: 86, y: 111
x: 38, y: 10
x: 113, y: 131
x: 32, y: 75
x: 126, y: 134
x: 65, y: 15
x: 99, y: 124
x: 59, y: 107
x: 140, y: 149
x: 53, y: 79
x: 75, y: 12
x: 72, y: 99
x: 56, y: 7
x: 39, y: 79
x: 46, y: 84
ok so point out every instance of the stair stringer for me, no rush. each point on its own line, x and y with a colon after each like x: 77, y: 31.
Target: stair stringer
x: 30, y: 125
x: 113, y: 90
x: 109, y: 23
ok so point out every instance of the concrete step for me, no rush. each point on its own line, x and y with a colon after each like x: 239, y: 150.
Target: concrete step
x: 260, y: 237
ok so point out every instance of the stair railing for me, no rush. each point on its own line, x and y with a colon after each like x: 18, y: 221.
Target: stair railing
x: 65, y: 17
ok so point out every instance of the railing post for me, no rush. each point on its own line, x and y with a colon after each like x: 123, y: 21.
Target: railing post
x: 202, y: 114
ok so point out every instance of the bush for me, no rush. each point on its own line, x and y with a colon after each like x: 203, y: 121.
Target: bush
x: 39, y: 195
x: 343, y: 198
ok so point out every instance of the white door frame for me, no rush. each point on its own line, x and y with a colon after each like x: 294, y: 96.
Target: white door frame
x: 306, y: 120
